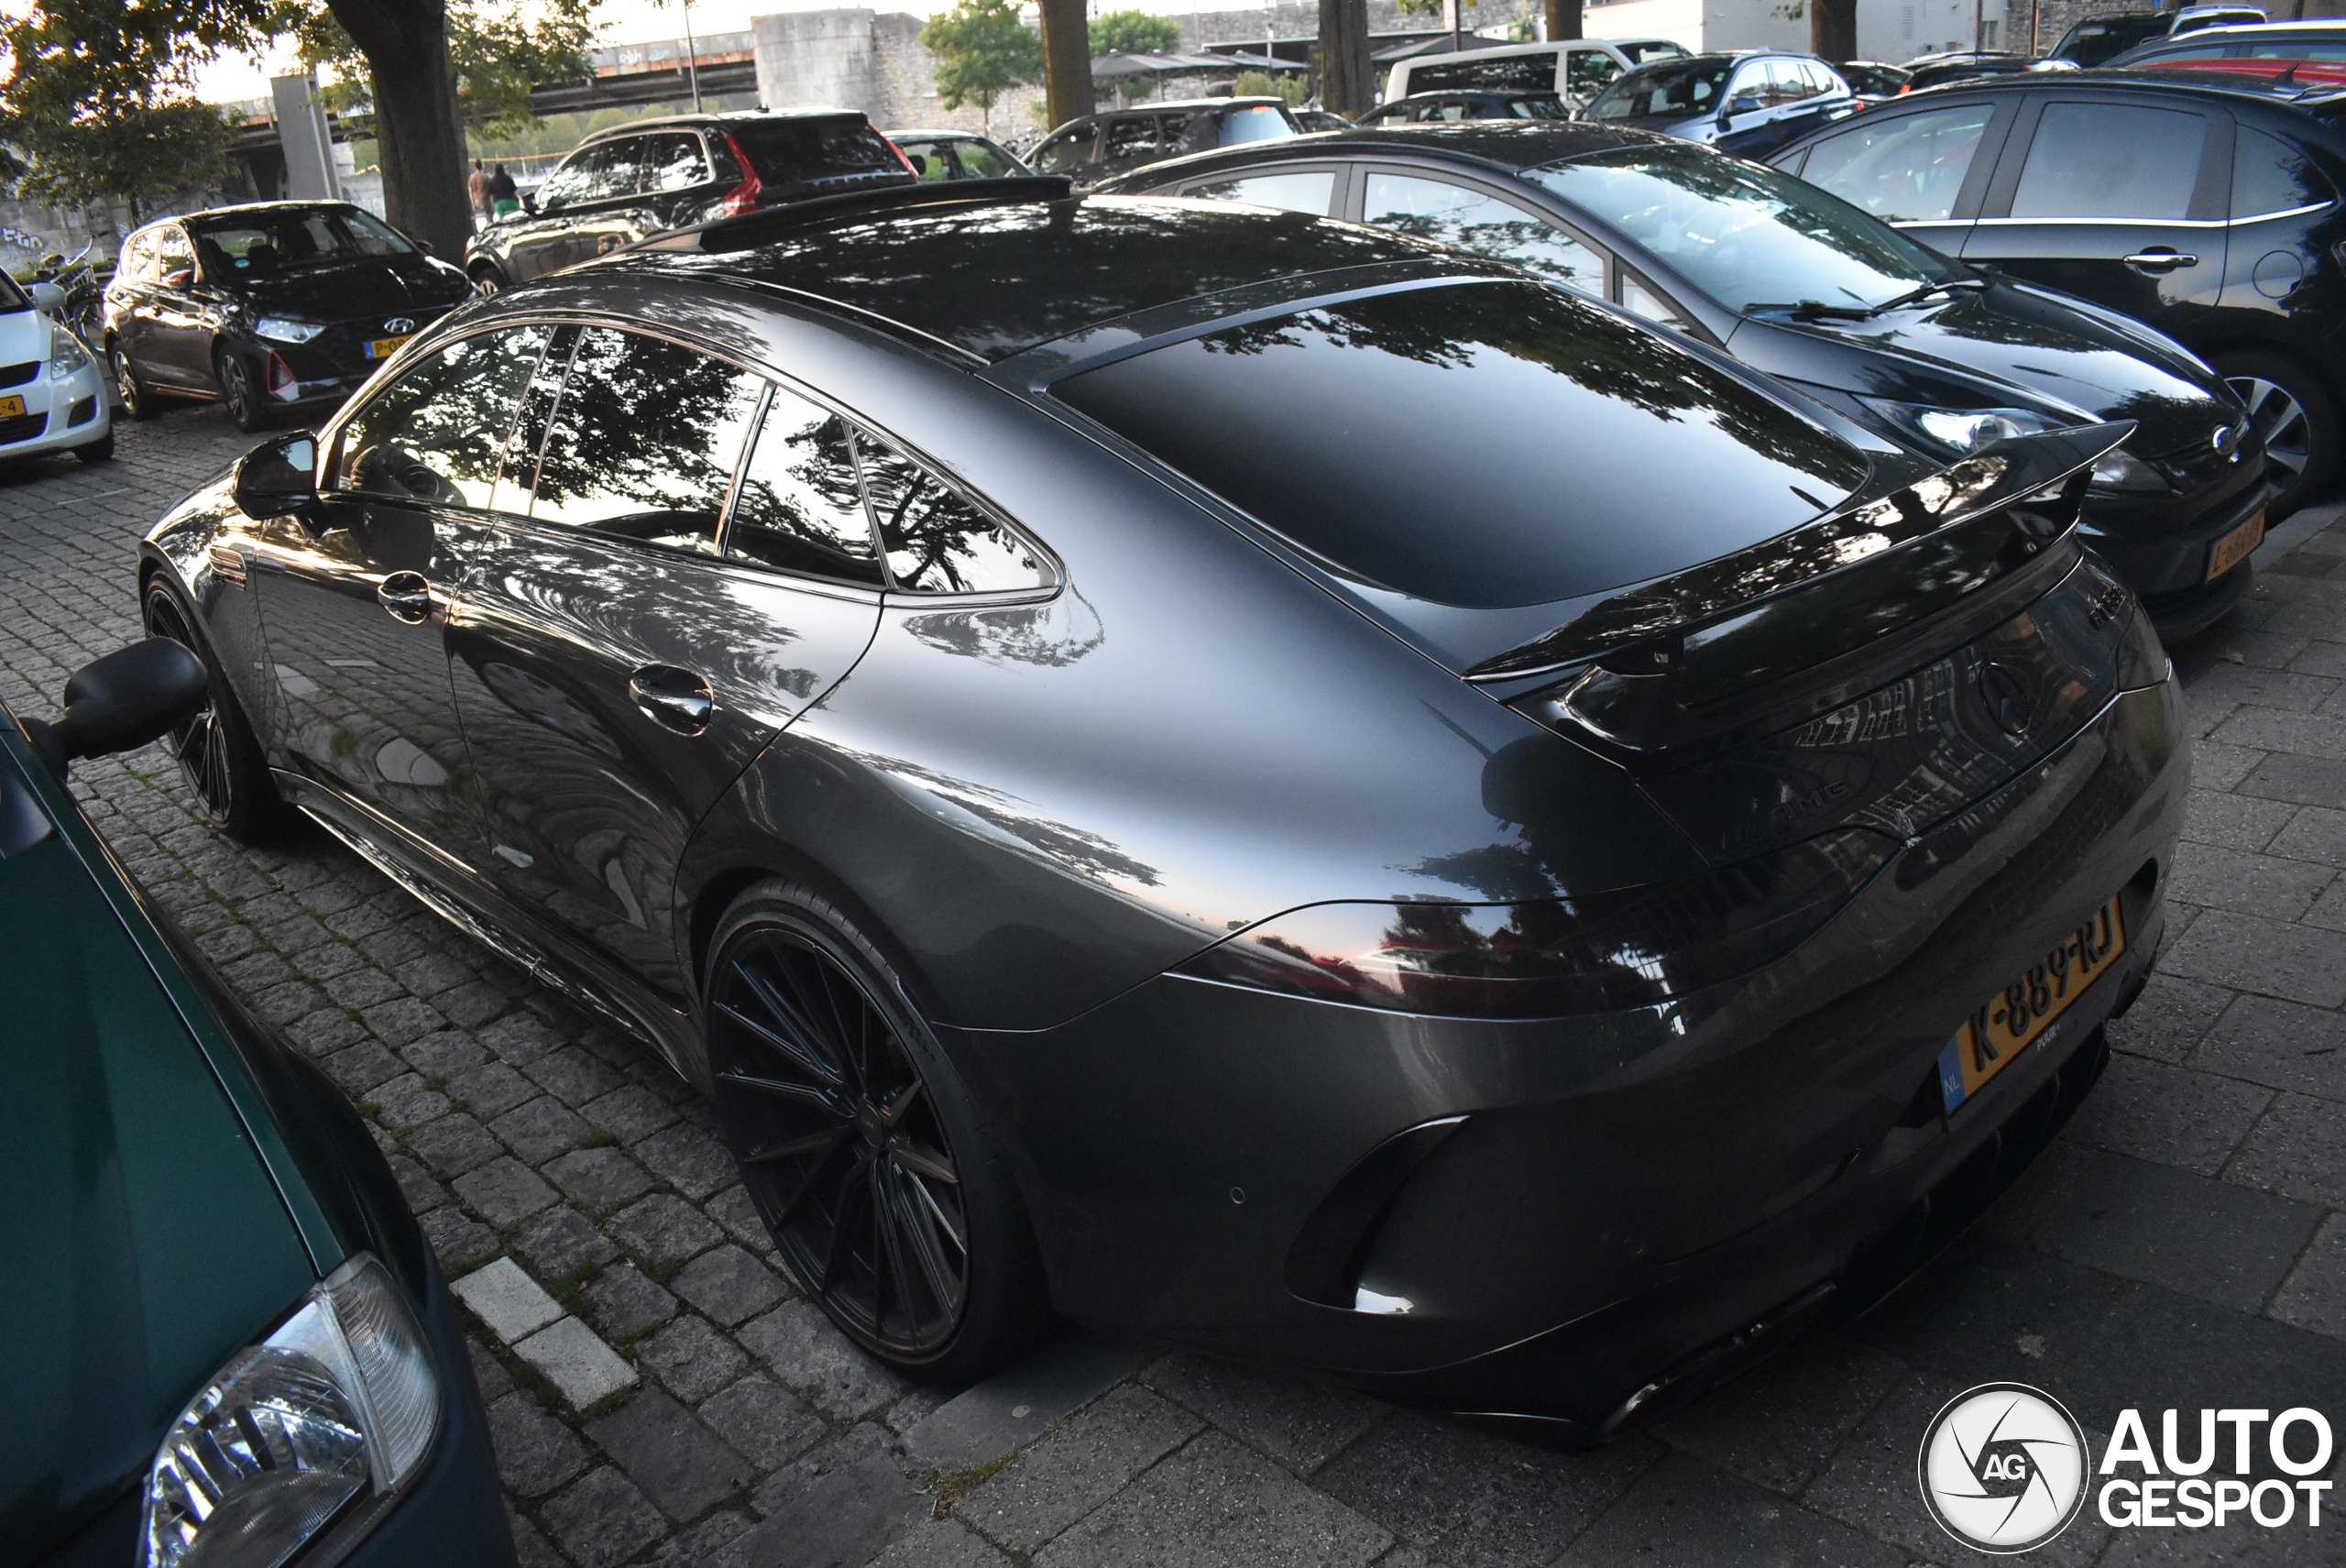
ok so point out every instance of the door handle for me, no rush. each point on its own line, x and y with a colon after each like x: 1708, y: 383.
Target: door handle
x: 672, y: 699
x: 2159, y: 260
x: 406, y: 595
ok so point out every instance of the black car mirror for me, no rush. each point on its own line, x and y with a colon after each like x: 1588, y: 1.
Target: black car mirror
x: 278, y: 477
x: 121, y: 702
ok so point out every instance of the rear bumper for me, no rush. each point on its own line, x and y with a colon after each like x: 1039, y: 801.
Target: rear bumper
x: 1624, y: 1190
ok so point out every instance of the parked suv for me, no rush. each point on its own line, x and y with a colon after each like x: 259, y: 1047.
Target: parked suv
x: 1575, y: 69
x: 1099, y: 146
x: 635, y: 181
x: 1747, y: 103
x: 2206, y: 210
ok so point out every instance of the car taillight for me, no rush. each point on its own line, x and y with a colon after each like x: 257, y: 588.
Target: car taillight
x: 1546, y: 958
x: 742, y: 198
x: 901, y: 159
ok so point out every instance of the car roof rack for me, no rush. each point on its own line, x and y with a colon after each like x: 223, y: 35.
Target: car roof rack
x: 747, y: 230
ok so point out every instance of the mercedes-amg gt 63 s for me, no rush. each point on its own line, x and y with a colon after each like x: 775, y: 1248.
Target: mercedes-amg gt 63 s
x: 1226, y: 775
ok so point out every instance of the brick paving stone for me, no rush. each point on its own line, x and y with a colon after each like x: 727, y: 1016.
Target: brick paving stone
x: 1216, y: 1502
x: 763, y: 1420
x: 2170, y: 1017
x: 408, y: 1100
x: 2270, y: 886
x: 2279, y: 1044
x: 561, y: 1241
x: 2310, y: 781
x: 598, y: 1178
x: 2298, y: 1149
x: 728, y: 1285
x: 694, y: 1161
x: 329, y: 1030
x: 471, y: 1005
x: 362, y: 1067
x: 422, y: 1193
x: 458, y: 1239
x: 573, y: 1075
x: 941, y: 1543
x: 536, y: 1452
x: 520, y: 1039
x: 453, y: 1143
x: 681, y: 1465
x: 504, y: 1191
x: 629, y: 1112
x: 603, y: 1520
x: 693, y: 1358
x: 403, y: 1019
x: 1302, y: 1424
x: 575, y: 1360
x: 540, y: 1129
x: 806, y: 1353
x: 1685, y: 1514
x: 2173, y: 1115
x: 2272, y: 957
x: 625, y: 1304
x: 491, y: 1089
x: 835, y: 1510
x: 443, y: 1054
x: 1779, y: 1425
x: 2314, y: 1294
x: 1075, y: 1469
x: 363, y: 988
x: 664, y: 1231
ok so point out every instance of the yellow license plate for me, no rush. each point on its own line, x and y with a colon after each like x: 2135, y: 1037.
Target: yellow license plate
x: 384, y: 347
x: 11, y: 407
x: 2234, y: 547
x: 2020, y: 1014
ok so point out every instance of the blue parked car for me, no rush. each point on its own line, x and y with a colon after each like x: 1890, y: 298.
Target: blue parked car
x: 1748, y: 102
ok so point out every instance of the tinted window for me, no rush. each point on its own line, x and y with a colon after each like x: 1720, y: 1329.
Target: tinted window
x: 574, y: 181
x: 1747, y: 235
x: 1454, y: 216
x: 2110, y: 160
x: 1538, y: 106
x: 1591, y: 70
x: 293, y: 237
x: 2090, y: 43
x: 1305, y: 190
x: 796, y: 157
x: 1656, y: 49
x: 1258, y: 121
x: 2286, y: 48
x: 644, y: 441
x: 799, y: 508
x: 2271, y: 176
x: 1065, y: 152
x: 928, y: 159
x: 137, y: 259
x: 616, y: 169
x: 672, y: 161
x: 1676, y: 89
x: 983, y: 160
x: 1907, y: 169
x: 1479, y: 443
x: 1507, y: 74
x: 1133, y: 137
x: 936, y: 539
x: 1789, y: 82
x: 435, y: 434
x: 172, y: 253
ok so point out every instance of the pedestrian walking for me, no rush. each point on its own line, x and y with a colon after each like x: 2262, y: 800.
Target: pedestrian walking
x: 504, y: 198
x: 477, y: 187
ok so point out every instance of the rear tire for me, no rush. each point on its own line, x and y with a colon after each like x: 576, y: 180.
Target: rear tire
x: 2290, y: 408
x: 217, y: 749
x: 876, y: 1171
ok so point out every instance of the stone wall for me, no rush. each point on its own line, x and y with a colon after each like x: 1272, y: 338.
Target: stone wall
x: 872, y: 61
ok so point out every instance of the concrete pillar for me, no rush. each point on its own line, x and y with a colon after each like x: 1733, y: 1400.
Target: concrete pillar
x: 820, y: 57
x: 309, y: 145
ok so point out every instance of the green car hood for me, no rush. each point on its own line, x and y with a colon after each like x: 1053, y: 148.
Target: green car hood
x: 144, y: 1238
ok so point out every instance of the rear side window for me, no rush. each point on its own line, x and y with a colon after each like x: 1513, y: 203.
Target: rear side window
x: 617, y: 169
x: 800, y: 508
x: 811, y: 155
x: 1133, y: 137
x: 1592, y: 71
x: 936, y: 539
x: 1509, y: 73
x: 1303, y: 190
x: 2271, y: 176
x: 1256, y: 122
x: 1063, y: 153
x: 1482, y: 444
x: 1908, y: 170
x: 2111, y: 160
x: 672, y: 161
x: 435, y: 434
x: 644, y: 441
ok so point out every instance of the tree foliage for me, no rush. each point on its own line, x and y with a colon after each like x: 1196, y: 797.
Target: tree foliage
x: 983, y: 50
x: 1136, y: 32
x: 498, y: 55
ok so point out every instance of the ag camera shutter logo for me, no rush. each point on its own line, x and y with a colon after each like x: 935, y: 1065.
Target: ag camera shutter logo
x: 2004, y: 1468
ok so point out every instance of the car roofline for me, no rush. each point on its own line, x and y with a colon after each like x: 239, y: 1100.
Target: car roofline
x: 722, y: 118
x: 1418, y: 139
x: 744, y: 231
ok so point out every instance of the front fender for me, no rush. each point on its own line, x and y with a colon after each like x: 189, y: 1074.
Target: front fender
x: 195, y: 545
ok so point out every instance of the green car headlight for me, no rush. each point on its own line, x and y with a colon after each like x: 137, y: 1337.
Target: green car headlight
x: 341, y: 1399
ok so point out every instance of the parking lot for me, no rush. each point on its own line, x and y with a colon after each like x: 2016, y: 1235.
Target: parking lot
x: 2182, y: 1244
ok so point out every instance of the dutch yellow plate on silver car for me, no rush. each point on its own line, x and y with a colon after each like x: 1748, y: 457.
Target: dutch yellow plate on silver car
x: 2013, y: 1019
x: 2233, y: 547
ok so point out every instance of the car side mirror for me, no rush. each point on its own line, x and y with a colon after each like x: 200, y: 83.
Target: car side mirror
x: 46, y: 297
x: 424, y: 246
x: 280, y: 476
x: 530, y: 205
x: 121, y: 702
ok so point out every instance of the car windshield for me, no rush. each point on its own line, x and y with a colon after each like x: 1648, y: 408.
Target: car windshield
x: 1652, y: 50
x: 1538, y: 106
x: 793, y: 155
x: 288, y: 237
x: 1482, y: 443
x: 1746, y: 234
x: 1678, y: 90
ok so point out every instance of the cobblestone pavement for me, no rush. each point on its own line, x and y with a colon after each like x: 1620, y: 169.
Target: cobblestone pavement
x: 2184, y: 1243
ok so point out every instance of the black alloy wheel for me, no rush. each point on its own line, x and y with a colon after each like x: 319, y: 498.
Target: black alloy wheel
x: 130, y: 388
x: 860, y: 1147
x: 236, y: 390
x: 2297, y: 420
x: 216, y: 749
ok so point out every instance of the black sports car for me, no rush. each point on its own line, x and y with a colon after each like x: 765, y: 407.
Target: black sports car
x: 270, y: 307
x: 1228, y: 774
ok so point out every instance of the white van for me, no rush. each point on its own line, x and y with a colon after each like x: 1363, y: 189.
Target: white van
x: 1575, y: 69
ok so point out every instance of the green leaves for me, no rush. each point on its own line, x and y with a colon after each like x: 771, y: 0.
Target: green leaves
x: 983, y: 50
x: 1138, y: 32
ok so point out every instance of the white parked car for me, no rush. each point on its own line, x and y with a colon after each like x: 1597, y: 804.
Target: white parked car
x: 52, y: 394
x: 1575, y: 69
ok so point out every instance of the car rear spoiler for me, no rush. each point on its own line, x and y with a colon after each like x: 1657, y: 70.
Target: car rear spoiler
x: 1894, y: 554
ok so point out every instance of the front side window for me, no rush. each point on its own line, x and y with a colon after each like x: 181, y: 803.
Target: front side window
x: 1476, y: 443
x: 571, y: 183
x: 982, y: 160
x: 1299, y: 191
x: 644, y: 439
x: 1065, y: 152
x: 1908, y: 170
x: 1133, y: 137
x: 2111, y: 160
x: 800, y: 508
x: 936, y: 539
x: 1748, y: 236
x: 1470, y: 220
x: 173, y: 253
x: 2271, y: 176
x: 435, y: 434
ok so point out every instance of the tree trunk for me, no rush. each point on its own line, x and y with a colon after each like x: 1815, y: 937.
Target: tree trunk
x: 1066, y: 60
x: 1347, y: 81
x: 1833, y: 30
x: 1563, y: 19
x: 417, y: 125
